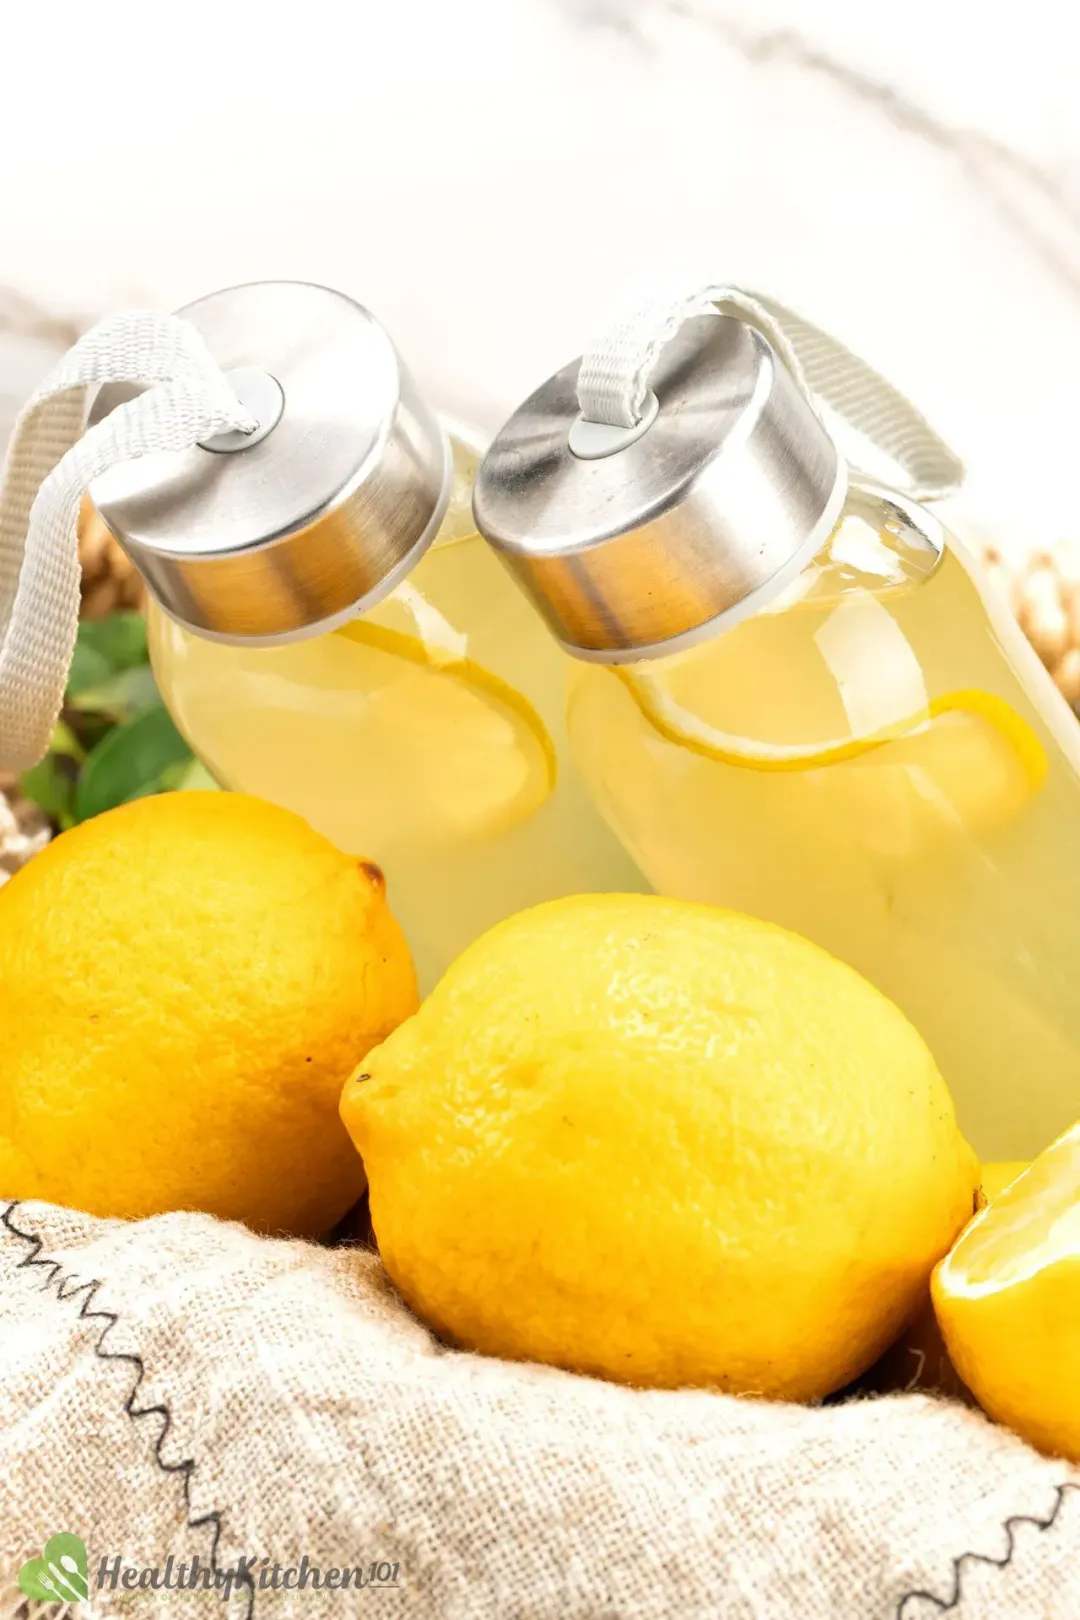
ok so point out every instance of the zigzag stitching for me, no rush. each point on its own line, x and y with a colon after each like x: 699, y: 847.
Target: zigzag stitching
x: 186, y: 1467
x: 943, y: 1605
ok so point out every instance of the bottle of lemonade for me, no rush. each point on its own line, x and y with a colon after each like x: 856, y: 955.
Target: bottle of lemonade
x: 793, y: 695
x: 330, y: 632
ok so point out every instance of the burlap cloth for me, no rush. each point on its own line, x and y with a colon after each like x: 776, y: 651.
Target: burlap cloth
x: 179, y: 1386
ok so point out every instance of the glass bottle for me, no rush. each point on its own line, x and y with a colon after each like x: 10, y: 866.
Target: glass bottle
x: 330, y: 632
x: 795, y: 696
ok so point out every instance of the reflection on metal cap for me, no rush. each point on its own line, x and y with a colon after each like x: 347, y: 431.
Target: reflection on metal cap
x: 725, y: 496
x: 322, y: 510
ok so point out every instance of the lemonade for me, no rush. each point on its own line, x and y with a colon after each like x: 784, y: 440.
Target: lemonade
x: 877, y: 760
x: 426, y: 734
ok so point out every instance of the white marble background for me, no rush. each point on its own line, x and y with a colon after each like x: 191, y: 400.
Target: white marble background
x: 483, y: 173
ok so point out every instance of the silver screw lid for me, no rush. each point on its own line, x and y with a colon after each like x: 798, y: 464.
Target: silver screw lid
x: 633, y: 541
x: 324, y: 508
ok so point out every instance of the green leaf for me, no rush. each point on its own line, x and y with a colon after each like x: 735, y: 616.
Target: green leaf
x: 122, y: 696
x: 193, y: 778
x: 51, y: 784
x: 64, y: 741
x: 87, y: 730
x: 88, y: 668
x: 105, y: 647
x: 120, y: 639
x: 129, y: 763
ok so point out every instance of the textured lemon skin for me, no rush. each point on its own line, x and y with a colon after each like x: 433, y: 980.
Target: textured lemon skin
x: 185, y: 983
x: 664, y: 1144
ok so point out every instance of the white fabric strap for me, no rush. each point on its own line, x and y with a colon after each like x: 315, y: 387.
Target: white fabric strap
x: 50, y: 463
x: 613, y: 383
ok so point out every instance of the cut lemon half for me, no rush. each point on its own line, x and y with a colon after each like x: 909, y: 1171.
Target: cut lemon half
x: 1007, y: 1298
x: 468, y: 754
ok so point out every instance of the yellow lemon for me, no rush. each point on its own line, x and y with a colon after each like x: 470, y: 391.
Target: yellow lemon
x: 1007, y: 1298
x: 186, y: 982
x: 664, y: 1144
x: 919, y: 1359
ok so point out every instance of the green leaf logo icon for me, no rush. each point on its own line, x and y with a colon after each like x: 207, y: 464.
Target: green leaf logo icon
x: 60, y: 1575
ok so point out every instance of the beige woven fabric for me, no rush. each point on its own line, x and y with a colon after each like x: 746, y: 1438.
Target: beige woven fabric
x: 320, y: 1418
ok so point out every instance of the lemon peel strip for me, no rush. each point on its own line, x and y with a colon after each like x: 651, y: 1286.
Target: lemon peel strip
x: 687, y: 731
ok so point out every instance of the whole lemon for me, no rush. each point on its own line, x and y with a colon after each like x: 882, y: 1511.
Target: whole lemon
x: 186, y: 982
x: 661, y: 1143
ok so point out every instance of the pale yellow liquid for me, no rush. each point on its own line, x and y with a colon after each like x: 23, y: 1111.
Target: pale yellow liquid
x: 879, y: 763
x: 429, y: 736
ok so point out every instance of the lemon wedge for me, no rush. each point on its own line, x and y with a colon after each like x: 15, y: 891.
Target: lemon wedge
x: 470, y: 756
x: 1007, y: 1298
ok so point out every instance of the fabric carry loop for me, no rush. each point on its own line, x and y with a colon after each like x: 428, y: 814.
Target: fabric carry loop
x: 613, y: 382
x: 49, y: 465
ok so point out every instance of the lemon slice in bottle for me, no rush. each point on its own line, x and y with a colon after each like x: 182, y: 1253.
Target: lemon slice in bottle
x: 1007, y: 1297
x: 837, y: 689
x: 681, y: 725
x: 961, y: 761
x: 965, y: 760
x: 454, y: 752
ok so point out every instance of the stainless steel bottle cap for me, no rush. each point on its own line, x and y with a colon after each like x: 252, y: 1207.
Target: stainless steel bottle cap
x: 325, y: 507
x: 688, y: 523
